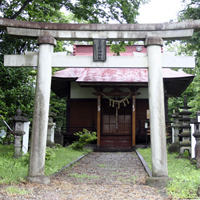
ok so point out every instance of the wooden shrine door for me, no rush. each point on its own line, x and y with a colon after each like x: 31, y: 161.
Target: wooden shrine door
x: 116, y: 128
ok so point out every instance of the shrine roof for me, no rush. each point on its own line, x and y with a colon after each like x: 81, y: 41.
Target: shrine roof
x: 176, y: 81
x: 120, y: 75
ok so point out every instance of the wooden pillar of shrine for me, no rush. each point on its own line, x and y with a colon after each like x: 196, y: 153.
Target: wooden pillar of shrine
x: 98, y: 119
x: 133, y: 120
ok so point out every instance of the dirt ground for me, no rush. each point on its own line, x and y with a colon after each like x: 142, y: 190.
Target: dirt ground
x: 104, y: 176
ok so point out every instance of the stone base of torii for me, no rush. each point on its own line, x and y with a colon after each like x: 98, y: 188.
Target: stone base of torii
x: 47, y: 34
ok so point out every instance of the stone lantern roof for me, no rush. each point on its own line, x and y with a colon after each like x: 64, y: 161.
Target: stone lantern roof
x: 18, y: 117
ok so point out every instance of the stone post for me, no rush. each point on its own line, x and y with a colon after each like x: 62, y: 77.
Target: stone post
x: 25, y: 139
x: 41, y: 111
x: 18, y: 131
x: 58, y: 138
x: 50, y: 131
x: 157, y: 113
x: 197, y: 137
x: 176, y: 125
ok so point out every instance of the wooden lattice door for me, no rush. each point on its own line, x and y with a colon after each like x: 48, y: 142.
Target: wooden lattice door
x: 116, y: 126
x: 120, y: 125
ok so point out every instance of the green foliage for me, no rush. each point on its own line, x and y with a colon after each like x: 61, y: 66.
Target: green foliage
x: 49, y: 153
x: 190, y: 11
x: 85, y: 137
x: 95, y: 11
x: 7, y: 139
x: 2, y: 139
x: 189, y: 47
x: 118, y: 47
x: 17, y: 84
x: 16, y: 90
x: 180, y: 48
x: 58, y: 106
x: 185, y: 176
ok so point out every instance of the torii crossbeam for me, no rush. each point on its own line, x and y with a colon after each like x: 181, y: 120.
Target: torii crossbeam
x: 47, y: 34
x: 60, y: 60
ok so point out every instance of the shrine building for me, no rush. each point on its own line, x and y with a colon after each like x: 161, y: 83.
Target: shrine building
x: 112, y: 101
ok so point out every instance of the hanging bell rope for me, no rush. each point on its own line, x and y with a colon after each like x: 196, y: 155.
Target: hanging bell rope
x: 112, y: 102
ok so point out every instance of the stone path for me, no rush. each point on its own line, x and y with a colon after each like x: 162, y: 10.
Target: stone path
x: 98, y: 176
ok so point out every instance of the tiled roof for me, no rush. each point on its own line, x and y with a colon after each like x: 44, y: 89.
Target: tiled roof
x: 114, y: 75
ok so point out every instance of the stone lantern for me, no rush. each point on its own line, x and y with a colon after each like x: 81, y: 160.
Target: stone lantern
x: 18, y: 122
x: 175, y: 146
x: 186, y: 133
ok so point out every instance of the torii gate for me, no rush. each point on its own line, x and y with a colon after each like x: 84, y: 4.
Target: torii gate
x: 47, y: 34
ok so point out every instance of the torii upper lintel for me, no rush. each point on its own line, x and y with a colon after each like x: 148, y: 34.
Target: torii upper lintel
x: 167, y: 31
x: 194, y: 24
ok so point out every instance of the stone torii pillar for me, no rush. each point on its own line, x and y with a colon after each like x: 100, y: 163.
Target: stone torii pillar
x: 41, y: 111
x: 157, y: 112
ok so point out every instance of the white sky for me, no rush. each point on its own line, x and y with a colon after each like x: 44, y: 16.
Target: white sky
x: 159, y: 11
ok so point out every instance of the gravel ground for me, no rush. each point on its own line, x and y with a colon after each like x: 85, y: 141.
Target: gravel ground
x: 97, y: 176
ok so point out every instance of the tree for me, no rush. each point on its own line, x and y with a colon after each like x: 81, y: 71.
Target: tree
x: 16, y: 83
x: 93, y: 11
x: 190, y: 47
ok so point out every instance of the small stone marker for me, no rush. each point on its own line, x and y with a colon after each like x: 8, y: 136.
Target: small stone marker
x: 50, y: 130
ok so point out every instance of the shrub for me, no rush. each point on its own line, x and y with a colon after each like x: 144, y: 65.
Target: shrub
x: 85, y: 137
x: 49, y: 153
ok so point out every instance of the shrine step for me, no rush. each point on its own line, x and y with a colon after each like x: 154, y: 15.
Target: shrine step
x: 116, y: 142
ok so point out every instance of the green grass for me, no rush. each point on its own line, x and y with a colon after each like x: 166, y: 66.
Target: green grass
x: 81, y: 176
x: 63, y: 156
x: 15, y: 170
x: 186, y: 178
x: 131, y: 179
x: 101, y: 165
x: 15, y: 190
